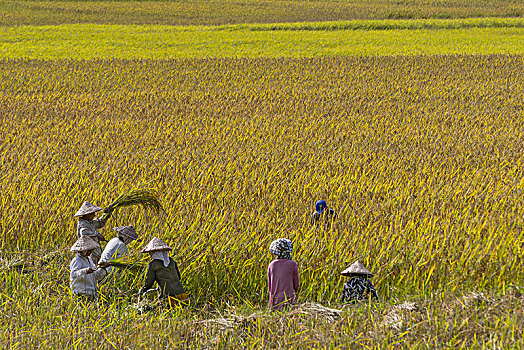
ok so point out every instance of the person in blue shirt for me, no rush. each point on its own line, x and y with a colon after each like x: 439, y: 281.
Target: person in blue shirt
x: 322, y: 213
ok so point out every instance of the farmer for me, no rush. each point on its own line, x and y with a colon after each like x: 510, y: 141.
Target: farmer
x: 84, y: 275
x: 282, y: 275
x: 88, y: 225
x: 359, y: 286
x: 164, y: 271
x: 117, y: 247
x: 322, y: 212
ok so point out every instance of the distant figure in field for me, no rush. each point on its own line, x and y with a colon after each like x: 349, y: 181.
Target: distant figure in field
x: 164, y: 271
x: 88, y: 225
x: 322, y: 213
x: 117, y: 247
x: 282, y: 275
x: 359, y: 286
x: 84, y: 275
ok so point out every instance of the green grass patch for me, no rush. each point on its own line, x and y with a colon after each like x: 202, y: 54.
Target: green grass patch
x: 383, y: 24
x: 92, y: 41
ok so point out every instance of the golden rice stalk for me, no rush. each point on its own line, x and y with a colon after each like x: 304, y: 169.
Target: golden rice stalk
x: 147, y: 198
x: 126, y: 266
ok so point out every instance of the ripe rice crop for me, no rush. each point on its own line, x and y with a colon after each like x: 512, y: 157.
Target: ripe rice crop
x: 420, y: 156
x: 219, y: 12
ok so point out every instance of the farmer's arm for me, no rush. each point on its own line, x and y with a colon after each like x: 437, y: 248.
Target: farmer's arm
x: 86, y: 231
x: 100, y: 273
x: 77, y: 269
x: 101, y: 221
x: 150, y: 279
x: 177, y: 271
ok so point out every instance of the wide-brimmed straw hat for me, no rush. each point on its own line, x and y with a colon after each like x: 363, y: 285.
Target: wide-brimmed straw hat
x: 356, y: 269
x: 87, y: 208
x: 83, y: 244
x: 128, y: 231
x: 156, y: 244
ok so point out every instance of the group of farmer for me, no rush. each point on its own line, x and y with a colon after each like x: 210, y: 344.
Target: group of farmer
x: 91, y: 265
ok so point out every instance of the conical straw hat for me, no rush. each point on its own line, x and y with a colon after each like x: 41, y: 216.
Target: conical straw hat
x: 356, y: 269
x: 87, y: 208
x: 128, y: 231
x: 84, y: 243
x: 154, y: 245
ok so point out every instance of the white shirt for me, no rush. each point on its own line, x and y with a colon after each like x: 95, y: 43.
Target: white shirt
x: 114, y: 249
x: 81, y: 282
x: 89, y: 227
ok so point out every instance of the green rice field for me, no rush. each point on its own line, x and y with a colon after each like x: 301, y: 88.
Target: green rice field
x: 422, y: 37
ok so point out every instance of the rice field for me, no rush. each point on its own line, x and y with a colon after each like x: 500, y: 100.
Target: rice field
x: 220, y: 12
x: 407, y: 117
x: 311, y: 39
x: 420, y: 156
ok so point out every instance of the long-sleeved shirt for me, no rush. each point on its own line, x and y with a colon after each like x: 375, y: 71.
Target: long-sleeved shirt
x: 89, y: 228
x: 167, y: 278
x: 83, y: 283
x: 114, y: 249
x: 282, y: 280
x: 358, y: 288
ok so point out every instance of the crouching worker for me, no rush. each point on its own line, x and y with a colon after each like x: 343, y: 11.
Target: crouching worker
x: 164, y: 271
x: 88, y: 225
x: 359, y: 286
x: 116, y: 248
x: 84, y: 275
x: 322, y: 213
x: 282, y: 275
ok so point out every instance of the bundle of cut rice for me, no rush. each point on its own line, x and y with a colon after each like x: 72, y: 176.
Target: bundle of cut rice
x: 126, y: 265
x: 146, y: 197
x: 131, y: 262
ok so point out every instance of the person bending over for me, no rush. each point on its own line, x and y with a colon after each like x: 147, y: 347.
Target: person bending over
x: 116, y: 248
x: 359, y: 286
x: 164, y: 271
x: 84, y: 276
x: 322, y: 213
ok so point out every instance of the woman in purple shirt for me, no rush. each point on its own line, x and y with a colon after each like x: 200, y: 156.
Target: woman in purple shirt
x: 282, y: 275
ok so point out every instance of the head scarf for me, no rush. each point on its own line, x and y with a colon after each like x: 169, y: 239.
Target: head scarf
x: 320, y: 206
x: 282, y: 248
x: 160, y: 255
